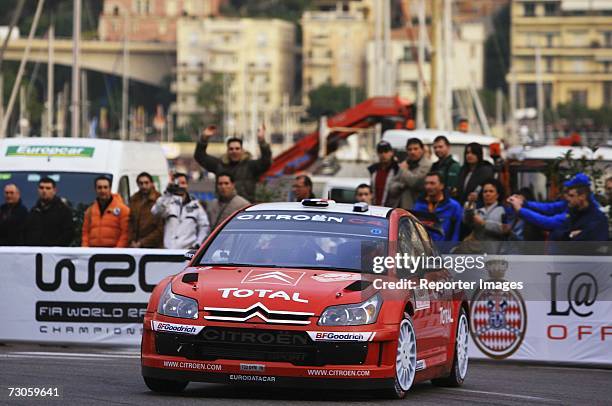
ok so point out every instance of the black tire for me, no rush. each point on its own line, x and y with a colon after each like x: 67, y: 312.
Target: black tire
x: 164, y: 386
x: 456, y: 378
x: 397, y: 391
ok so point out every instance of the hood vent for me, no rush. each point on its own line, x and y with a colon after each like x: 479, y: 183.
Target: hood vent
x: 190, y: 278
x: 358, y: 286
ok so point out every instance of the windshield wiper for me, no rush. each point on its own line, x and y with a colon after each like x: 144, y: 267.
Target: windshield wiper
x: 239, y: 264
x: 326, y: 268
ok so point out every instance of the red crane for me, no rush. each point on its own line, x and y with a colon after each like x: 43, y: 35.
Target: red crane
x: 364, y: 115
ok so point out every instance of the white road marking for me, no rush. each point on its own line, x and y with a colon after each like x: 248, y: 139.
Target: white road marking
x: 508, y: 395
x: 43, y: 354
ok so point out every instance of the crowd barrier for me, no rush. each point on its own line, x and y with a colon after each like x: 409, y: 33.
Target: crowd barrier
x: 98, y: 296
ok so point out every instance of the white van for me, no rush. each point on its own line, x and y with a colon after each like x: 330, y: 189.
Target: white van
x: 338, y: 189
x: 458, y: 141
x: 74, y: 163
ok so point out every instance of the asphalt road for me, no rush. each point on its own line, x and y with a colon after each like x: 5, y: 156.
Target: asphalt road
x: 112, y: 376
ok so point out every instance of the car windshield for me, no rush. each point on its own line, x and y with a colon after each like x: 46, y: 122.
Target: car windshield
x: 300, y: 239
x: 77, y: 188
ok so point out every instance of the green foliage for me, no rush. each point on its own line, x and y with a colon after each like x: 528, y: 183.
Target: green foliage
x: 566, y: 166
x: 579, y: 115
x: 290, y: 10
x: 329, y: 99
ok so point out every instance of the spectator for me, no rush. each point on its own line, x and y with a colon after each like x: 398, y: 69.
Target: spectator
x: 437, y: 201
x: 609, y: 196
x: 474, y: 171
x: 227, y: 200
x: 446, y: 165
x: 105, y: 223
x: 49, y: 223
x: 186, y: 222
x: 548, y: 216
x: 145, y: 229
x: 409, y: 182
x: 237, y: 162
x: 382, y: 173
x: 542, y: 216
x: 13, y: 216
x: 520, y: 229
x: 302, y: 188
x: 585, y: 222
x: 363, y: 194
x: 487, y: 222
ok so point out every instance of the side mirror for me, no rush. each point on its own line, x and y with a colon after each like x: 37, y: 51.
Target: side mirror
x: 189, y: 255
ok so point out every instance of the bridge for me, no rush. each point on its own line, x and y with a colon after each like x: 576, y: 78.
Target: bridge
x: 148, y: 62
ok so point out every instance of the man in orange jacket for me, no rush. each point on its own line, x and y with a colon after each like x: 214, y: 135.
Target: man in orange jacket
x: 105, y: 223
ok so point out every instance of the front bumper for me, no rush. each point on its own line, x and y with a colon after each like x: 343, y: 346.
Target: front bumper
x: 321, y: 364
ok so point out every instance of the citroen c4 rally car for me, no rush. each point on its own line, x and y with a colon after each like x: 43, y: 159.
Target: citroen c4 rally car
x: 285, y: 294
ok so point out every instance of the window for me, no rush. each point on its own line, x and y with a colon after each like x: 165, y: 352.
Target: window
x: 549, y: 64
x: 529, y: 9
x: 608, y: 39
x: 551, y: 9
x: 608, y: 93
x: 407, y: 54
x: 550, y: 39
x: 579, y: 97
x: 408, y: 241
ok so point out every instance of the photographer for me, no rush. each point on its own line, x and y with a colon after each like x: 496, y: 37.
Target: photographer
x: 186, y: 222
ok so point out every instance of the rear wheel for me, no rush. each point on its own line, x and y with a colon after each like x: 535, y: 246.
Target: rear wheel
x: 460, y: 361
x: 165, y: 386
x: 405, y: 361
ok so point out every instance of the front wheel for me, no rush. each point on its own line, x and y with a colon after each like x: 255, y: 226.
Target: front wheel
x: 460, y: 360
x: 165, y: 386
x: 405, y: 361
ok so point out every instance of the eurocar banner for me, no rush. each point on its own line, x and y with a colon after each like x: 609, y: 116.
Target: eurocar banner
x: 79, y: 295
x: 562, y: 314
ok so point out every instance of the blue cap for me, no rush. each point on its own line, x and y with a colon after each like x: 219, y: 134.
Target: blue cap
x: 580, y: 179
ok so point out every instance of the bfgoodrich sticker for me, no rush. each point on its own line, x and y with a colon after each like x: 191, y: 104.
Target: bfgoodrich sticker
x: 340, y: 336
x: 175, y: 328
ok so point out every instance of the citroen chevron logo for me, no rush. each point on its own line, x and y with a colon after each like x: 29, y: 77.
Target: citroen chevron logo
x: 288, y: 278
x: 257, y: 310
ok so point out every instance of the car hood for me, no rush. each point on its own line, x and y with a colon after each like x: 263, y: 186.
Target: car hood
x: 277, y: 289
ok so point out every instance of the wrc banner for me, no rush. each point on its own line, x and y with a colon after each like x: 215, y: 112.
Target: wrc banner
x: 563, y: 313
x: 79, y: 295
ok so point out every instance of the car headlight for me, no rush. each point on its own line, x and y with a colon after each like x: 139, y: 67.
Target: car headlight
x: 352, y: 314
x: 173, y: 305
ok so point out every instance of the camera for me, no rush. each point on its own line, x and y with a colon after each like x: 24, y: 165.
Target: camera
x: 175, y: 189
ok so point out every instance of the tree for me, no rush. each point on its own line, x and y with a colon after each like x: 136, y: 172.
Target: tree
x: 329, y: 99
x: 210, y: 99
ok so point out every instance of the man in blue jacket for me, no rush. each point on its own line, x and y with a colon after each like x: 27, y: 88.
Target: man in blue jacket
x: 550, y: 215
x: 585, y: 221
x: 436, y: 201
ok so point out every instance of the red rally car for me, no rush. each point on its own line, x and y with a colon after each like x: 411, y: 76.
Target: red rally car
x: 292, y: 294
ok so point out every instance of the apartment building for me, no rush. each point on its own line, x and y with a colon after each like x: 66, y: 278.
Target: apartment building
x: 333, y: 49
x: 573, y: 39
x: 256, y: 58
x: 467, y: 61
x: 150, y: 20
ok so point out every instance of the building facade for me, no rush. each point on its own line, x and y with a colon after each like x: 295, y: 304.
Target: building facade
x: 468, y: 45
x: 150, y: 20
x: 574, y: 41
x: 255, y: 58
x: 333, y: 48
